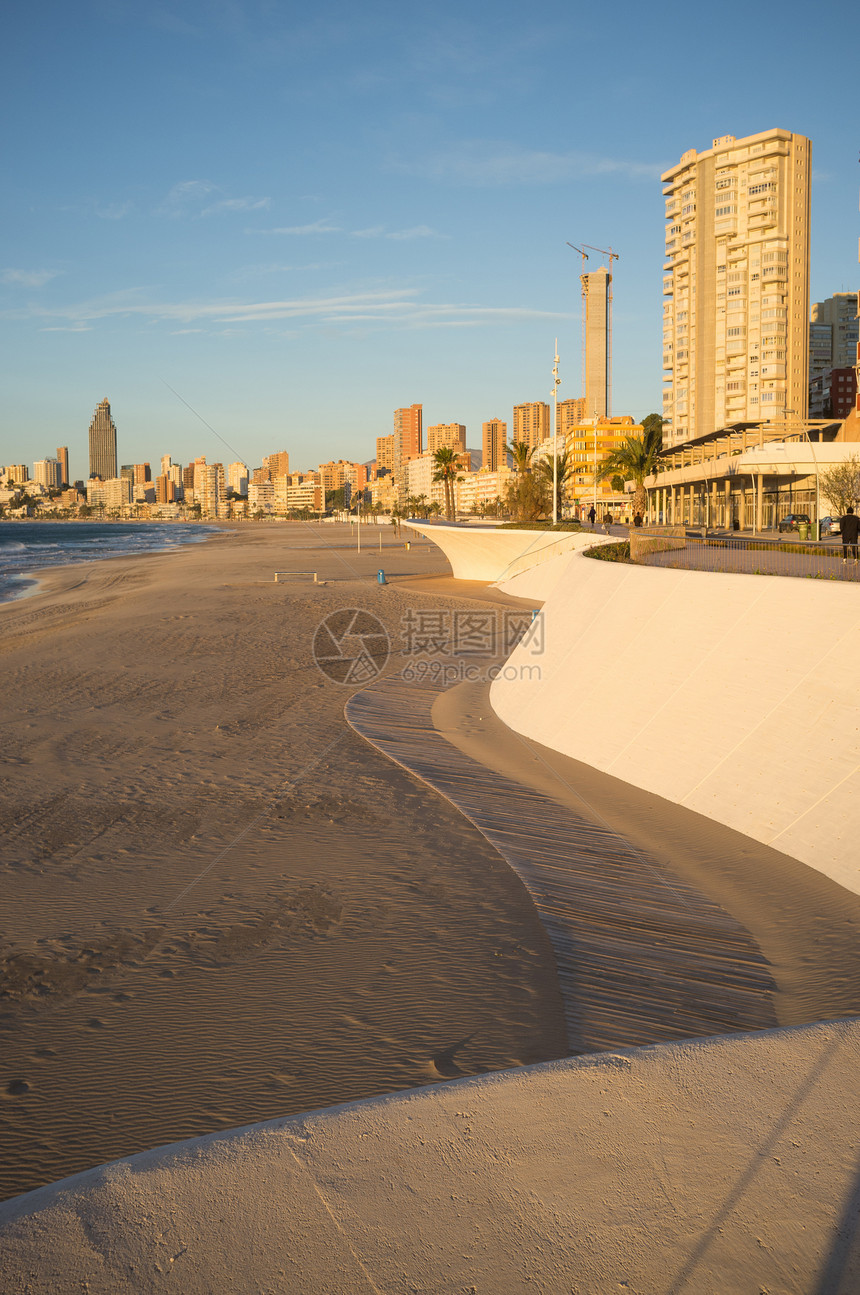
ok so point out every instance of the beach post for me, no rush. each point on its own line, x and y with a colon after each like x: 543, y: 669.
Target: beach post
x: 380, y: 577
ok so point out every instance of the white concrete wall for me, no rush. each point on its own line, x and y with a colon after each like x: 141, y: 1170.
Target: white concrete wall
x: 737, y: 696
x: 489, y: 553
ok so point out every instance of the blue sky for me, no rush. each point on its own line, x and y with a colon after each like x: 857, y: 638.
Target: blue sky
x: 297, y: 219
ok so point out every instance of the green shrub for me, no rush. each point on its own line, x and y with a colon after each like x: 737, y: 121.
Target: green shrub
x: 540, y: 526
x: 610, y: 552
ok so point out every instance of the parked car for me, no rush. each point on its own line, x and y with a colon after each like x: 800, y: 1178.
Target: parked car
x: 792, y: 521
x: 828, y: 526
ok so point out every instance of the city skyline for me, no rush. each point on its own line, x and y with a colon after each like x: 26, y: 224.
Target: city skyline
x: 272, y: 233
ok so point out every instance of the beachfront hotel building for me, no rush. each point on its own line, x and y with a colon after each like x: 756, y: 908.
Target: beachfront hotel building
x: 237, y: 478
x: 446, y: 436
x: 103, y: 443
x: 277, y: 465
x: 736, y: 284
x: 209, y: 488
x: 63, y: 460
x: 531, y: 423
x: 589, y: 442
x: 597, y: 303
x: 475, y: 492
x: 494, y: 444
x: 48, y: 472
x: 111, y: 492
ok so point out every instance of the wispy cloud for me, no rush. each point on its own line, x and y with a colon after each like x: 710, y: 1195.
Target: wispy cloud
x: 29, y: 278
x: 246, y: 272
x: 321, y: 226
x: 417, y: 231
x: 384, y: 307
x: 184, y: 196
x: 237, y: 204
x: 399, y: 235
x: 191, y: 199
x: 113, y: 210
x: 489, y: 162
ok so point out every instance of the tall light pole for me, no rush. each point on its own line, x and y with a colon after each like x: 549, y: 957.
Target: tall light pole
x: 594, y: 473
x: 555, y: 385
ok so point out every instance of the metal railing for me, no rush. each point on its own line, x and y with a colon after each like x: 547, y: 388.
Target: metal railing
x: 821, y: 560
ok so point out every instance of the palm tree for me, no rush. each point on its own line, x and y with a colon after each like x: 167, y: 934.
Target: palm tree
x: 564, y: 471
x: 634, y: 460
x: 446, y: 464
x: 521, y: 453
x: 435, y: 508
x: 422, y: 502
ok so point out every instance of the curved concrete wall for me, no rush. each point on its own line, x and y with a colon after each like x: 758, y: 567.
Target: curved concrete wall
x: 737, y: 696
x: 489, y: 553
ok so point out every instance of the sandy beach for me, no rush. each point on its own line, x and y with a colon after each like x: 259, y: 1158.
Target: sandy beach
x: 221, y: 905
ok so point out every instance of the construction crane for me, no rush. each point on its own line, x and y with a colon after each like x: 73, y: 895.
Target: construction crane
x: 584, y: 256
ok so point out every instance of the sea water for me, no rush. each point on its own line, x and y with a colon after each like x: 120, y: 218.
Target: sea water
x: 28, y: 546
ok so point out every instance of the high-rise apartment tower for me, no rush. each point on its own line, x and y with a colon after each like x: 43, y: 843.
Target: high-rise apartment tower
x: 570, y: 414
x: 385, y: 453
x: 833, y: 333
x: 531, y: 423
x: 103, y: 443
x: 63, y: 460
x: 408, y: 441
x: 597, y: 298
x: 494, y: 444
x: 446, y: 435
x: 736, y: 284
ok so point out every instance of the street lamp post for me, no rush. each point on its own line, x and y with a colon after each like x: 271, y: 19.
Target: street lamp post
x: 594, y: 472
x: 555, y: 385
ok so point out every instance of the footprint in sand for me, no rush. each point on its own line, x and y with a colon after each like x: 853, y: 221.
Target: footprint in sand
x: 444, y: 1064
x: 17, y: 1087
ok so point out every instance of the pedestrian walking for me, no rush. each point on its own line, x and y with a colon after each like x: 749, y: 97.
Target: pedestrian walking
x: 592, y: 516
x: 849, y: 529
x: 607, y: 520
x: 637, y: 519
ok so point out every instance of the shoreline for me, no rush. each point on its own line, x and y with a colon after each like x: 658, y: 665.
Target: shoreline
x: 34, y: 576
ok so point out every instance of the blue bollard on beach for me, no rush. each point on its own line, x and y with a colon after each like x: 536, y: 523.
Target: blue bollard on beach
x: 380, y: 577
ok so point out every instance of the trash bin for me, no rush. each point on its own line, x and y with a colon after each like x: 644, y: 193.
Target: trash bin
x: 803, y: 530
